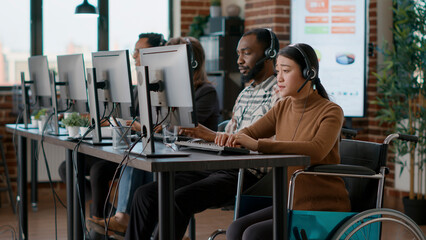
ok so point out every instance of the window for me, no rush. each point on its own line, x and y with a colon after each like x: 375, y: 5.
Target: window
x: 14, y: 40
x: 67, y: 33
x: 128, y: 19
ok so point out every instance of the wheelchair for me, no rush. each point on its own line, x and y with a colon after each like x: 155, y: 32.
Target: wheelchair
x: 363, y: 169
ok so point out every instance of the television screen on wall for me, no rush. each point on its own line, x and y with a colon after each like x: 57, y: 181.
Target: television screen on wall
x: 337, y: 31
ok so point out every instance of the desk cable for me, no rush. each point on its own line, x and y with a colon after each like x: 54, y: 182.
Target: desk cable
x: 74, y: 163
x: 7, y: 228
x: 55, y: 195
x: 120, y: 166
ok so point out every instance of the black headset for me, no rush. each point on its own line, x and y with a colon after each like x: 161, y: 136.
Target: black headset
x: 309, y: 73
x: 194, y: 63
x: 271, y: 52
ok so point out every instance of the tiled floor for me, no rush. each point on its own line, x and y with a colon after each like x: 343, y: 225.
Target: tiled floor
x: 42, y: 222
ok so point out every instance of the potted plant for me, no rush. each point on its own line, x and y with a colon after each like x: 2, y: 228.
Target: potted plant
x: 401, y: 91
x: 215, y: 8
x: 198, y: 26
x: 41, y: 118
x: 73, y: 123
x: 84, y: 125
x: 34, y: 121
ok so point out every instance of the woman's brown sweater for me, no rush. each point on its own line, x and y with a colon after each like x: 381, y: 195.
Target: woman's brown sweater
x: 310, y: 128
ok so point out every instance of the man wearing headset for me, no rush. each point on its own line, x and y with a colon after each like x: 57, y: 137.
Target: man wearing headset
x: 197, y: 191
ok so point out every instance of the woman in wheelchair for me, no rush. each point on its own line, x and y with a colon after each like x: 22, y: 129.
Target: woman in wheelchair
x: 304, y: 122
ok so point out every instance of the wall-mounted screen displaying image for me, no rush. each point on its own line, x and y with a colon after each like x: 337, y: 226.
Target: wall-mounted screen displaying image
x: 336, y: 29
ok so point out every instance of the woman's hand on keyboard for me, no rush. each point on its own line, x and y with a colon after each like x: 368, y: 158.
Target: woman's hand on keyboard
x: 199, y: 131
x: 241, y: 139
x: 221, y: 138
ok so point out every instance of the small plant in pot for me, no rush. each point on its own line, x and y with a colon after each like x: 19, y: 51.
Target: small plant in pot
x: 34, y: 121
x: 85, y: 124
x: 41, y: 117
x: 215, y: 8
x: 73, y: 124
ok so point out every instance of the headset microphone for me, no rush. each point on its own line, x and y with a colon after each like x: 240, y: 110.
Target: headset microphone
x: 309, y: 73
x: 261, y: 61
x: 270, y: 52
x: 304, y: 83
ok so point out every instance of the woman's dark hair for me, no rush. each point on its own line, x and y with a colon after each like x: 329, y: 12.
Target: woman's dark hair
x: 154, y: 39
x: 292, y: 52
x: 200, y: 75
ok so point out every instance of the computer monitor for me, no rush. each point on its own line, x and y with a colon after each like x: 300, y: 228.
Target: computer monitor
x: 109, y: 82
x: 170, y: 68
x: 165, y: 80
x: 71, y: 71
x: 39, y: 76
x: 43, y: 88
x: 114, y: 78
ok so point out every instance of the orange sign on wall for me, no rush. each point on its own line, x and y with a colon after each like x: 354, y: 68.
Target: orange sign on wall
x: 343, y: 19
x: 343, y: 30
x: 317, y: 6
x: 343, y: 8
x: 315, y: 19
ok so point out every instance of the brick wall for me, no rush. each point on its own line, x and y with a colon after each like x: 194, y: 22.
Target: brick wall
x: 5, y: 118
x: 275, y: 14
x: 190, y: 9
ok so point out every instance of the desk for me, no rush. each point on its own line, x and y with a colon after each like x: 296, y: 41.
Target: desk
x: 166, y: 168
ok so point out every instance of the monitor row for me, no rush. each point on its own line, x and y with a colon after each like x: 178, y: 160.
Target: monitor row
x: 164, y: 81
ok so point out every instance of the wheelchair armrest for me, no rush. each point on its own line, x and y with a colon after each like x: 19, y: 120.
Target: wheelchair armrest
x: 341, y: 169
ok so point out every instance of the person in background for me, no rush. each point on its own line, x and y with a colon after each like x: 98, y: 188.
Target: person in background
x: 131, y: 177
x: 207, y: 110
x: 305, y: 122
x: 199, y: 190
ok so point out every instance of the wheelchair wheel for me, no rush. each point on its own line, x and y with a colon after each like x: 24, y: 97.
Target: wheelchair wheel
x: 374, y: 223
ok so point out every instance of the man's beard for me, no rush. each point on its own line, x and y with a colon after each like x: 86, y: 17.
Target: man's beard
x: 253, y: 72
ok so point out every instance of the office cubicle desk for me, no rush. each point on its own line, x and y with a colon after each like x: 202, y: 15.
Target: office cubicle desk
x: 165, y: 167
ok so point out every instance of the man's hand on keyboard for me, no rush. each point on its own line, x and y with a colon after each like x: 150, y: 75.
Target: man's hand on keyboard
x: 199, y: 132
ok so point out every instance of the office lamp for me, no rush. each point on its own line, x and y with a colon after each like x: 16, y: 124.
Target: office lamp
x: 85, y: 8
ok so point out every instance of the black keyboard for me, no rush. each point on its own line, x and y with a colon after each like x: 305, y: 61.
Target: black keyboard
x: 208, y: 146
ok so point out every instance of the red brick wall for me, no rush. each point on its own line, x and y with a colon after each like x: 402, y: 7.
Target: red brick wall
x: 190, y: 9
x: 275, y: 14
x: 5, y: 118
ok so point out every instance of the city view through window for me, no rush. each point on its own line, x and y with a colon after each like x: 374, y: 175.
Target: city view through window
x: 67, y: 33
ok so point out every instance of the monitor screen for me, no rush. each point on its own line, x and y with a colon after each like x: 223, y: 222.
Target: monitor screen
x: 39, y: 73
x: 170, y: 66
x: 113, y: 69
x: 71, y: 71
x: 337, y: 30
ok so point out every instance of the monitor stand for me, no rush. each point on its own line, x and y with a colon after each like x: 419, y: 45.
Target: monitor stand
x: 61, y: 132
x: 92, y: 91
x: 25, y: 102
x: 56, y: 130
x: 148, y: 148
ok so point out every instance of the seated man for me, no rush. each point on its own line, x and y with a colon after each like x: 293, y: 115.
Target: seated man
x: 131, y: 177
x: 197, y: 191
x: 207, y: 110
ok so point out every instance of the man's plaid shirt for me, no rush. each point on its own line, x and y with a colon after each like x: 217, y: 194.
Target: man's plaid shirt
x: 252, y: 103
